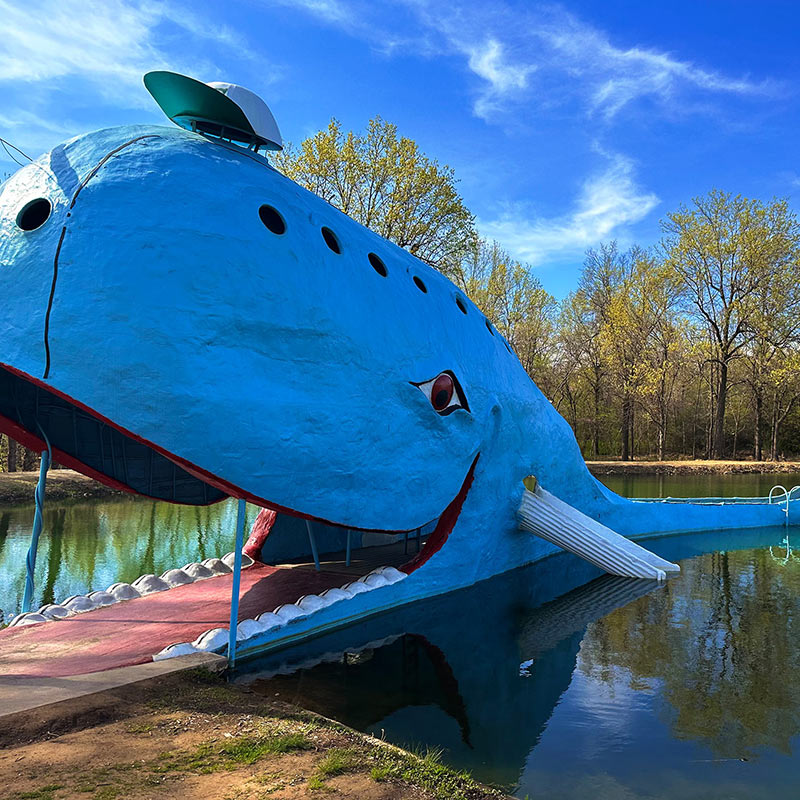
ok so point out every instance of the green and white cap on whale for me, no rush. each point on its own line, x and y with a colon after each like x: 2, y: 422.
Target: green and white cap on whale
x: 220, y: 109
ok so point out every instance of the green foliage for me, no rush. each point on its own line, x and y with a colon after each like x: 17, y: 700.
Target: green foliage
x: 385, y: 182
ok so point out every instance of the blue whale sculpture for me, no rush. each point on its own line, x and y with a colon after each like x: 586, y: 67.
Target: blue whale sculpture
x: 183, y: 321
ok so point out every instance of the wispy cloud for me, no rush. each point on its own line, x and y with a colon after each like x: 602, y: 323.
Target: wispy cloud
x: 62, y: 51
x: 608, y: 202
x: 539, y: 55
x: 488, y: 60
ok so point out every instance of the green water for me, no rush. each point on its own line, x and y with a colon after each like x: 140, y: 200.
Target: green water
x: 90, y: 545
x: 703, y: 485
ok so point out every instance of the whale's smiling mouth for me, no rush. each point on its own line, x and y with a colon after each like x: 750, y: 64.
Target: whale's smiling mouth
x: 94, y: 445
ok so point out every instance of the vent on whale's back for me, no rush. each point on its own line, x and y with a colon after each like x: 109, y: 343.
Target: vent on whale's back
x: 224, y: 110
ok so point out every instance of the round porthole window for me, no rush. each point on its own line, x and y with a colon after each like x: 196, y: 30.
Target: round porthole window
x: 34, y: 214
x: 420, y: 284
x: 331, y: 240
x: 461, y: 306
x: 378, y: 265
x: 272, y: 220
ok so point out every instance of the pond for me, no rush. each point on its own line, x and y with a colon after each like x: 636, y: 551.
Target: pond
x: 90, y: 545
x: 552, y: 681
x: 700, y: 485
x: 617, y: 689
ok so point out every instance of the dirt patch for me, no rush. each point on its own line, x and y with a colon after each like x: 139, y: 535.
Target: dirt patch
x: 690, y: 467
x: 62, y: 484
x: 195, y: 736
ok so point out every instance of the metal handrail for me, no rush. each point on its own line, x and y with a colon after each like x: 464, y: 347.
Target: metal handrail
x: 786, y: 498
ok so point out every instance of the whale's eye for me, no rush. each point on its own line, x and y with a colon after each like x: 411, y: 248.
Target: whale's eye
x: 444, y: 392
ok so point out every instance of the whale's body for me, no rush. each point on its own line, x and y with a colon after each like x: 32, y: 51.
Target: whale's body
x: 166, y: 341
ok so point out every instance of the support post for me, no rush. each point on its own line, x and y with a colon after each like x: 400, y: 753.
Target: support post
x: 313, y: 542
x: 38, y: 521
x: 237, y: 580
x: 347, y: 554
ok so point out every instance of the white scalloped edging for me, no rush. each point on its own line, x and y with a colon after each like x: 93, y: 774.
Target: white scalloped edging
x: 217, y: 638
x: 119, y: 592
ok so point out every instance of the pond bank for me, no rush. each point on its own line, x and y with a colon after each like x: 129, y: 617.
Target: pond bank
x: 62, y: 484
x: 193, y: 735
x: 691, y: 467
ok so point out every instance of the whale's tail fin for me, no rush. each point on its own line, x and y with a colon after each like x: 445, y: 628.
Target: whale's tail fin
x: 545, y: 515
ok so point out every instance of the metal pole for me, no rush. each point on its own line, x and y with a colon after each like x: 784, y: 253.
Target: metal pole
x: 313, y: 541
x: 237, y: 579
x: 347, y: 554
x: 38, y: 521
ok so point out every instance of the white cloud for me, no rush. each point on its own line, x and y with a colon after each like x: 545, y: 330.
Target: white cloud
x: 607, y: 203
x: 611, y: 77
x: 65, y: 54
x: 505, y: 46
x: 488, y: 61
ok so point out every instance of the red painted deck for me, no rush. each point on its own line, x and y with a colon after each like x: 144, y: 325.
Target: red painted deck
x: 133, y: 631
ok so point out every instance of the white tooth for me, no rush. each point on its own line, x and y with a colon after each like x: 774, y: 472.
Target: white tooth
x: 270, y: 620
x: 289, y: 611
x: 149, y: 584
x: 312, y: 602
x: 375, y: 581
x: 247, y: 628
x: 230, y: 558
x: 100, y: 599
x: 176, y: 577
x: 335, y: 594
x: 173, y: 650
x: 197, y: 572
x: 215, y: 639
x: 354, y: 588
x: 123, y: 591
x: 391, y: 574
x: 29, y: 618
x: 78, y: 603
x: 217, y: 566
x: 53, y: 611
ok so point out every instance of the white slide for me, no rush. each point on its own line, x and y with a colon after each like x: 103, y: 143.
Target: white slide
x: 545, y: 515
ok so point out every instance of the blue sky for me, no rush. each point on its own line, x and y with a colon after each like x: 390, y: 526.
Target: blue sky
x: 567, y: 124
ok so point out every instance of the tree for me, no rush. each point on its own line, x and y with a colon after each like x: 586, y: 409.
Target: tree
x: 721, y: 250
x: 514, y: 300
x: 384, y: 182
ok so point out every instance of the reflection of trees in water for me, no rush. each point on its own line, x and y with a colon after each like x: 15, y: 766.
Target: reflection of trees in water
x: 86, y: 546
x: 723, y: 640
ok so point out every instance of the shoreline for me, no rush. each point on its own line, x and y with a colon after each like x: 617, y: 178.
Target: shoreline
x: 697, y: 467
x: 191, y: 734
x: 17, y: 488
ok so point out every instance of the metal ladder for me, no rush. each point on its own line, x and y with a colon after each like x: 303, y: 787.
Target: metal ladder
x: 785, y: 498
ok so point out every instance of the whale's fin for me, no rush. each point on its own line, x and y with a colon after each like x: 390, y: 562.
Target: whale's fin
x: 545, y: 515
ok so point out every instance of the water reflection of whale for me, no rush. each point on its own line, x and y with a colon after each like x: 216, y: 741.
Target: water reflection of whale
x: 446, y: 672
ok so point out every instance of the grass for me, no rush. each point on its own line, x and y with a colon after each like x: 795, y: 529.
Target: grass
x: 44, y: 793
x: 236, y: 752
x: 425, y: 770
x: 338, y: 761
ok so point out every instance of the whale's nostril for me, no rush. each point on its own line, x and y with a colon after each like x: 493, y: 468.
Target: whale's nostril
x: 34, y: 214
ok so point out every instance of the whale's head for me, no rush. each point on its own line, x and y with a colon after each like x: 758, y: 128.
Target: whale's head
x: 183, y: 321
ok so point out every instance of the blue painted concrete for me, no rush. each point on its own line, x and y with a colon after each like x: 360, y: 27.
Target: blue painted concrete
x: 284, y: 368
